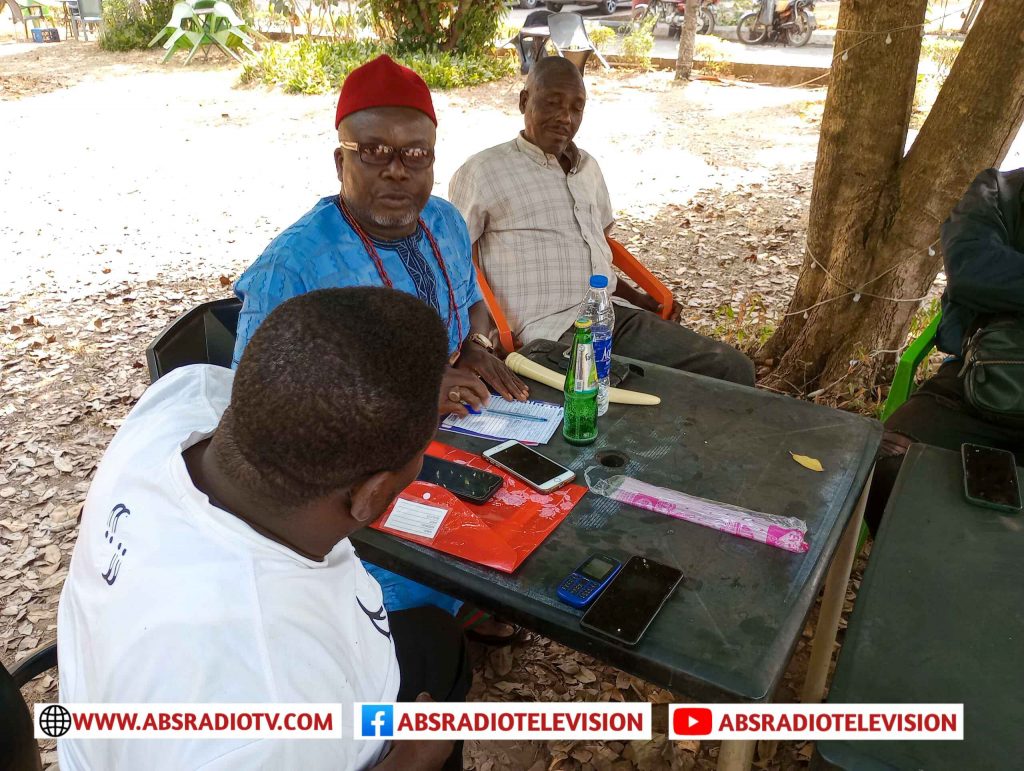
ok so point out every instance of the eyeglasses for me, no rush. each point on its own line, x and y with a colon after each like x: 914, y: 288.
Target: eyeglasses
x: 372, y: 154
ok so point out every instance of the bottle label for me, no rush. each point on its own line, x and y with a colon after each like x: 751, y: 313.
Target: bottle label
x: 585, y: 373
x: 603, y: 355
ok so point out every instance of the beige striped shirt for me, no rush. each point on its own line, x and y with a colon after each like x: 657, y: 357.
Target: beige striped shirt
x: 540, y: 231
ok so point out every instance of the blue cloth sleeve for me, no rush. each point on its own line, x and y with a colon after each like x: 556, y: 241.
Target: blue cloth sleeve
x: 261, y: 289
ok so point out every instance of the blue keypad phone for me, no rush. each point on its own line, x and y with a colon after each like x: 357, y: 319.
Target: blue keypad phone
x: 586, y: 582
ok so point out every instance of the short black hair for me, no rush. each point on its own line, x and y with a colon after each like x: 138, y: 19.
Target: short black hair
x: 334, y: 386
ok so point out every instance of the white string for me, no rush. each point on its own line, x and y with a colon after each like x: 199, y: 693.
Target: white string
x: 844, y: 54
x: 858, y: 291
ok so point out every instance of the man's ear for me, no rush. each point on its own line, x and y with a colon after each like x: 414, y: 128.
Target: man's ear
x: 523, y: 96
x: 339, y: 161
x: 372, y: 497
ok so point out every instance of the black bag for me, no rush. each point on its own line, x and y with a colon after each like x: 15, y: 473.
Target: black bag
x: 993, y: 370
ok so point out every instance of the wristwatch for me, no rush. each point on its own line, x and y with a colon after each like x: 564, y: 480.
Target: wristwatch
x: 482, y: 340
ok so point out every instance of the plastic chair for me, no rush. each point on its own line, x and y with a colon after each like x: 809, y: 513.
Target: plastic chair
x: 183, y: 30
x: 621, y: 259
x: 530, y: 46
x: 18, y: 748
x: 903, y: 380
x: 203, y: 335
x: 570, y: 38
x: 86, y: 12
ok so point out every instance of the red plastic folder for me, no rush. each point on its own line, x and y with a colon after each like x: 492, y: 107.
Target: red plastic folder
x: 500, y: 533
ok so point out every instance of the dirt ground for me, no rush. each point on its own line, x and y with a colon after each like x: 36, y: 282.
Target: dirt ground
x: 134, y: 191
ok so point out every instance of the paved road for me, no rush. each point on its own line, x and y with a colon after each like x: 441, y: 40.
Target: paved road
x: 818, y: 53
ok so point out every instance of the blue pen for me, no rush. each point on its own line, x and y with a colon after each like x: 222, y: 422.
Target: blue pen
x: 516, y: 417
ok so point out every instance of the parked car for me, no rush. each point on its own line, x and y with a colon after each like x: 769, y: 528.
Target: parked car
x: 608, y: 6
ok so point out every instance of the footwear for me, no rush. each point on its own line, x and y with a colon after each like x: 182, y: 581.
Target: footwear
x: 470, y: 618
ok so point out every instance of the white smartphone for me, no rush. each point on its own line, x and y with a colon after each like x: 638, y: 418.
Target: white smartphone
x: 540, y: 473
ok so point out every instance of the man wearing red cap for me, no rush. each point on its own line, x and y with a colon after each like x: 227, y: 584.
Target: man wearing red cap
x: 385, y: 229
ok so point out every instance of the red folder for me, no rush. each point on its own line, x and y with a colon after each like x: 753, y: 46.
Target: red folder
x: 500, y: 533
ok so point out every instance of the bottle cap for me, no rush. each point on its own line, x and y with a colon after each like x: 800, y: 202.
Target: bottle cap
x: 597, y: 281
x: 583, y: 323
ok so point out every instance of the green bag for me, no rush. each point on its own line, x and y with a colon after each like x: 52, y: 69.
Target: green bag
x: 993, y: 370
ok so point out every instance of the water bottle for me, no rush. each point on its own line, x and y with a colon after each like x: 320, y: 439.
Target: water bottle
x: 579, y: 423
x: 597, y: 307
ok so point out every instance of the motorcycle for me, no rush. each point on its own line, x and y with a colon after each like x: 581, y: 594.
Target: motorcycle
x: 791, y: 21
x: 672, y: 13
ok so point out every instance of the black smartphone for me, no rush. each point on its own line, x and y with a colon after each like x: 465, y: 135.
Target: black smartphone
x: 990, y: 477
x: 472, y: 484
x: 634, y: 597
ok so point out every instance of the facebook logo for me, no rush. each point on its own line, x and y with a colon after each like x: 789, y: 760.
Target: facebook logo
x: 378, y: 720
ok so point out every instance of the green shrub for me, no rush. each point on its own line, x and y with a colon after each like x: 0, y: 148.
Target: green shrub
x: 728, y: 14
x: 638, y: 43
x: 319, y: 66
x: 601, y: 37
x: 455, y: 26
x: 129, y: 24
x: 712, y: 53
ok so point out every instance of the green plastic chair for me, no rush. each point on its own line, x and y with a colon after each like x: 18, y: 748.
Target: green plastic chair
x: 178, y: 31
x: 903, y: 384
x: 903, y: 381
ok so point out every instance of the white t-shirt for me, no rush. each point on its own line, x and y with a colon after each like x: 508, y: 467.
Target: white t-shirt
x: 170, y: 599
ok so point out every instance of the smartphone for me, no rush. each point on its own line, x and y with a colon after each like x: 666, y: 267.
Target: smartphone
x: 472, y: 484
x: 540, y: 473
x: 634, y: 597
x: 990, y: 477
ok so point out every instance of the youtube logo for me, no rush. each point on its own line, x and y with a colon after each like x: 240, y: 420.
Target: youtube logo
x: 692, y: 721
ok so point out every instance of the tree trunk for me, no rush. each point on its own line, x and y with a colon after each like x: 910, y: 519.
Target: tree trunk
x: 687, y: 39
x: 875, y: 213
x: 969, y: 16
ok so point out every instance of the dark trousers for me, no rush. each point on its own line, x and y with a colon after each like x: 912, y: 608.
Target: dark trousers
x: 432, y: 657
x: 646, y: 336
x: 935, y: 414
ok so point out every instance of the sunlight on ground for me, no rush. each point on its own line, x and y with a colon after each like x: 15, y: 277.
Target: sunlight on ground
x: 177, y: 167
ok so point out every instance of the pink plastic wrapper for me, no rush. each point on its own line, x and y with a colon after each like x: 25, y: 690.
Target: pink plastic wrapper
x: 783, y: 532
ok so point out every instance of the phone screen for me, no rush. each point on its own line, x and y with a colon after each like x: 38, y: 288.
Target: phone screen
x: 632, y: 599
x: 528, y: 464
x: 991, y: 475
x: 462, y: 480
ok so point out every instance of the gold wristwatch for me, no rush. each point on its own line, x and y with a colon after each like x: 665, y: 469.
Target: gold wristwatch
x: 482, y: 340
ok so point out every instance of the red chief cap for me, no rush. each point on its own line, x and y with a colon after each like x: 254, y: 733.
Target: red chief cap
x: 383, y: 83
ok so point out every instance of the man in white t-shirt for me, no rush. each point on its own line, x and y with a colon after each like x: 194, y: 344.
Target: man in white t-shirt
x: 213, y: 563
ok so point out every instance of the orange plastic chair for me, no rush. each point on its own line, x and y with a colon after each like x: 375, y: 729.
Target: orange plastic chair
x: 621, y: 259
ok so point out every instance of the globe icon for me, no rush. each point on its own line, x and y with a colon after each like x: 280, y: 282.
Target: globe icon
x: 54, y: 721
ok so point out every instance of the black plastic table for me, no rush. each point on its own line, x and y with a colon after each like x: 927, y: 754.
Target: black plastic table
x: 939, y: 618
x: 729, y: 631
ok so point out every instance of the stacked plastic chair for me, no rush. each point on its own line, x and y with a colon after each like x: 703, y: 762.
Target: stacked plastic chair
x: 203, y: 24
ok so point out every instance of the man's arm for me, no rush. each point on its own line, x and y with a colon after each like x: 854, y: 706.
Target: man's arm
x: 984, y: 271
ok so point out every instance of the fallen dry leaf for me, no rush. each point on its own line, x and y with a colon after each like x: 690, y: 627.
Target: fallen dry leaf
x: 808, y: 462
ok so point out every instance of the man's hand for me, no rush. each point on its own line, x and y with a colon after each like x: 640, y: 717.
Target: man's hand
x: 648, y: 303
x: 475, y: 358
x: 466, y: 387
x: 417, y: 754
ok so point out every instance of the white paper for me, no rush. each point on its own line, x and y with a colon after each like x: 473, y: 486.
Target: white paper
x: 492, y: 425
x: 416, y: 518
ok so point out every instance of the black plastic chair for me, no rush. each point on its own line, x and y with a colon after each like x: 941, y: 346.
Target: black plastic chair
x: 203, y: 335
x: 18, y: 748
x: 529, y: 44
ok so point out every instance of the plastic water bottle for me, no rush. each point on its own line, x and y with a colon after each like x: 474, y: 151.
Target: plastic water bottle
x: 597, y: 307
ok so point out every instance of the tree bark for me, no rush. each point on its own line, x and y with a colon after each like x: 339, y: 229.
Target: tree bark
x: 687, y: 39
x: 875, y: 213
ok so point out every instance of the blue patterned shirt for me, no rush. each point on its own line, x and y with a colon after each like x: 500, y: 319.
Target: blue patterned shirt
x: 321, y: 250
